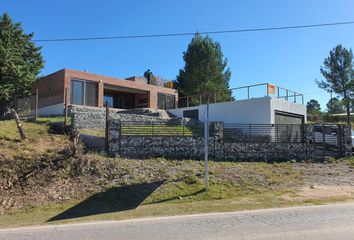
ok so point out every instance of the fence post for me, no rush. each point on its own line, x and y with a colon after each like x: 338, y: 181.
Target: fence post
x: 287, y: 95
x: 323, y: 141
x: 36, y: 106
x: 187, y: 101
x: 65, y: 106
x: 267, y: 89
x: 107, y: 128
x: 278, y: 92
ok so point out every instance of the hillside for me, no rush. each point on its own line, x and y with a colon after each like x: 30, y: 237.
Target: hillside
x: 41, y: 181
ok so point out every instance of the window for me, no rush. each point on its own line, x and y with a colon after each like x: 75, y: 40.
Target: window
x: 84, y: 93
x: 109, y: 99
x: 165, y: 101
x: 91, y: 94
x: 77, y: 92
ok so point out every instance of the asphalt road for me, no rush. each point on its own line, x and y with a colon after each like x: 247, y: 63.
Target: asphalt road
x: 318, y: 222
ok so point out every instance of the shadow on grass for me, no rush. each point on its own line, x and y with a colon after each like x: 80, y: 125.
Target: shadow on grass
x: 113, y: 200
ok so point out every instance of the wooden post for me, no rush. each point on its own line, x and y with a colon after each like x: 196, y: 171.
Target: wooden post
x: 36, y: 106
x: 107, y: 128
x: 65, y: 106
x: 19, y: 125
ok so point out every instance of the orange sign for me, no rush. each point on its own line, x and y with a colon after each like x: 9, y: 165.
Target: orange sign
x: 271, y: 89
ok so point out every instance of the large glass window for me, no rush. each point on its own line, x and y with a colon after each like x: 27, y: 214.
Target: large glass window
x: 84, y: 93
x: 165, y: 101
x: 91, y: 94
x: 77, y: 92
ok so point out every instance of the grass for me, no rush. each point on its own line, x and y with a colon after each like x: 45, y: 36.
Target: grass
x: 203, y: 203
x: 232, y: 187
x: 8, y: 130
x: 40, y: 142
x: 93, y: 187
x: 52, y: 119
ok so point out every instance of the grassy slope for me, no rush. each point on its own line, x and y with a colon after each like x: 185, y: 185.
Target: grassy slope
x: 92, y: 187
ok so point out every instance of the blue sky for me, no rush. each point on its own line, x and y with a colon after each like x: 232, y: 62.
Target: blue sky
x: 289, y: 58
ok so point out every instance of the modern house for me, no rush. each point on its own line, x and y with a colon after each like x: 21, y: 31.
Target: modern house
x: 269, y: 104
x: 255, y: 104
x: 84, y: 88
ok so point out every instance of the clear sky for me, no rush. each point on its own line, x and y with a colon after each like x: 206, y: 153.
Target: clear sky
x: 289, y: 58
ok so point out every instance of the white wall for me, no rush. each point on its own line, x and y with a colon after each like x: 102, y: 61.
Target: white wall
x: 278, y: 104
x: 248, y: 111
x: 256, y: 111
x: 56, y: 109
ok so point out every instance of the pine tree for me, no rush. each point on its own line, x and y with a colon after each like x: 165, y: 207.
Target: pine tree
x: 338, y: 72
x: 205, y: 71
x: 20, y: 61
x: 313, y: 107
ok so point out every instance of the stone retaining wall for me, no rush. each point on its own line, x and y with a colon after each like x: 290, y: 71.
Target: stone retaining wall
x: 94, y: 117
x: 193, y: 147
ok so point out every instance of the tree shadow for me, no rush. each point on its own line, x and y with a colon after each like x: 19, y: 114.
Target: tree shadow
x: 113, y: 200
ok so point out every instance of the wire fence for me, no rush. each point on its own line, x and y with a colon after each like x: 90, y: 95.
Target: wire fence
x: 36, y: 105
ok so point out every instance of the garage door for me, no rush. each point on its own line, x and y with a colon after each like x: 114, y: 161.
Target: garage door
x: 288, y: 118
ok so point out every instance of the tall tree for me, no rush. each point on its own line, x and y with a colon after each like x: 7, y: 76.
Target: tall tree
x: 20, y: 61
x: 335, y: 105
x: 205, y: 70
x: 338, y: 72
x: 313, y: 107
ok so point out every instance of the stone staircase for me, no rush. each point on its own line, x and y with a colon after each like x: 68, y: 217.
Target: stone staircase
x: 160, y: 113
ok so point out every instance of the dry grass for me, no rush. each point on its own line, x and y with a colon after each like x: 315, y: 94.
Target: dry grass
x: 91, y: 186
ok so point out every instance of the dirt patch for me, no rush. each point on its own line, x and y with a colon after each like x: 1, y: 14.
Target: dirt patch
x: 322, y: 174
x: 323, y: 191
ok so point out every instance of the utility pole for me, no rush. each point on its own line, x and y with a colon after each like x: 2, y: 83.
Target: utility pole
x: 206, y: 146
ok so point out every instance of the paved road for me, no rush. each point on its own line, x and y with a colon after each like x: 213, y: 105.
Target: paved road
x: 319, y: 222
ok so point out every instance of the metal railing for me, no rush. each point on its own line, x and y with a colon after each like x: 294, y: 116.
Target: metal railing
x: 270, y: 90
x: 245, y: 92
x: 252, y: 133
x: 245, y: 133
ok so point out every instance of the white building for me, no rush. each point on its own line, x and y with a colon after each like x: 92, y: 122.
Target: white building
x: 263, y: 110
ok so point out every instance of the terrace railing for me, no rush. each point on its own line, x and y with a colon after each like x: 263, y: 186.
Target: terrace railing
x: 246, y: 92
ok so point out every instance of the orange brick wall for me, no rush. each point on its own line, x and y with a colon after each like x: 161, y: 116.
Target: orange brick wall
x: 50, y: 89
x: 60, y: 80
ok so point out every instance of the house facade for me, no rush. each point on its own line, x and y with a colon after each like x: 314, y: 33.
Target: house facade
x: 84, y: 88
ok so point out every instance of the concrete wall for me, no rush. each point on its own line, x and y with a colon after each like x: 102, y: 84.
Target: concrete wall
x: 248, y: 111
x: 52, y: 110
x: 277, y: 104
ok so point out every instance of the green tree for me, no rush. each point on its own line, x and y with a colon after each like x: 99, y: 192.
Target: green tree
x: 335, y: 105
x: 20, y: 61
x: 338, y: 72
x: 313, y: 107
x: 205, y: 70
